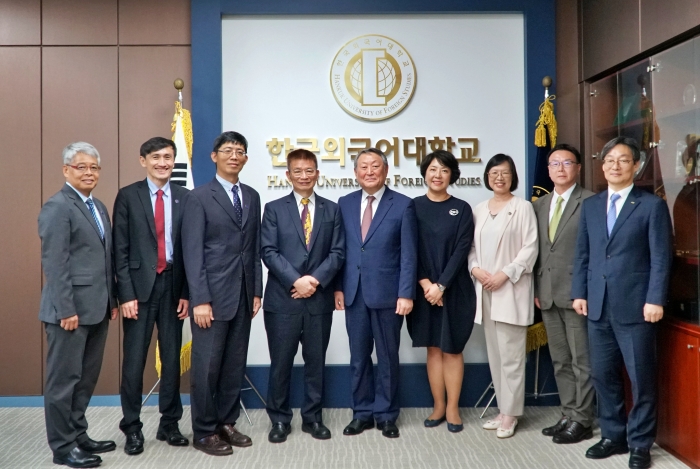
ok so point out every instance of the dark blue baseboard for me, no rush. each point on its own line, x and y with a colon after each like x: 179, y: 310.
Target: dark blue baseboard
x: 414, y: 390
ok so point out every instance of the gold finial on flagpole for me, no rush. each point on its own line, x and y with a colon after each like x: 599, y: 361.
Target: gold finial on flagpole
x: 179, y: 85
x: 546, y: 82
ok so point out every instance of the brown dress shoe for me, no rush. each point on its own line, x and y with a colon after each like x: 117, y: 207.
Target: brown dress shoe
x: 232, y: 436
x: 213, y: 445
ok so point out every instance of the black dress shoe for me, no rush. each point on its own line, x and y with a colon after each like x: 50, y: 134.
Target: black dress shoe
x: 357, y: 426
x: 78, y: 458
x: 279, y: 432
x: 427, y: 423
x: 171, y: 434
x: 640, y: 458
x: 455, y: 427
x: 317, y: 430
x: 389, y: 429
x: 574, y: 433
x: 606, y: 448
x: 94, y: 447
x: 134, y: 443
x: 557, y: 427
x: 213, y: 445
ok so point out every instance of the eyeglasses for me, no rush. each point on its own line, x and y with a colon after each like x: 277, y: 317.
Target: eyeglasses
x: 566, y: 164
x: 229, y: 152
x: 297, y: 173
x: 495, y: 174
x: 81, y: 168
x: 623, y: 162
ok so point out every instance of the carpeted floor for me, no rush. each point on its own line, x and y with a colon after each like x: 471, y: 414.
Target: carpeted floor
x: 24, y: 444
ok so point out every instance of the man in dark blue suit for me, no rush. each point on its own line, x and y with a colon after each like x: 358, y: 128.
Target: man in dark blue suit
x: 221, y: 250
x: 303, y: 246
x: 620, y: 281
x: 376, y: 288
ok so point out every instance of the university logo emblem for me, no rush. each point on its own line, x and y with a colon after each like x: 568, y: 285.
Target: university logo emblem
x: 373, y: 77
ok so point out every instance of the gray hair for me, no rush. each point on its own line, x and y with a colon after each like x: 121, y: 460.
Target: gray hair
x: 79, y: 147
x: 376, y: 151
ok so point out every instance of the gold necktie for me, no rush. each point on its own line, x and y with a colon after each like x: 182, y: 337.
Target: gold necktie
x: 555, y: 218
x: 306, y: 221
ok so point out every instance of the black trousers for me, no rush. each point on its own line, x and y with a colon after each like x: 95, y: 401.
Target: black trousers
x: 219, y: 355
x: 160, y: 309
x: 73, y: 364
x: 284, y: 332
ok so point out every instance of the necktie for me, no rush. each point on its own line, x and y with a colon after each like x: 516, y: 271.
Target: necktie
x: 612, y: 212
x: 237, y: 205
x: 556, y: 216
x: 91, y: 206
x: 367, y: 216
x: 160, y: 231
x: 306, y: 221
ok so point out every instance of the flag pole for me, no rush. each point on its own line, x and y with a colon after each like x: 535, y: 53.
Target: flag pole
x: 179, y: 85
x: 546, y: 82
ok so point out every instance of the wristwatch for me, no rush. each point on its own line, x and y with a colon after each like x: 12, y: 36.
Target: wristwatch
x: 442, y: 288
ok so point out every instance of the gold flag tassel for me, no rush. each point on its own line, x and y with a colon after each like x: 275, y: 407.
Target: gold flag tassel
x: 536, y: 337
x: 185, y: 358
x: 186, y: 126
x: 546, y: 119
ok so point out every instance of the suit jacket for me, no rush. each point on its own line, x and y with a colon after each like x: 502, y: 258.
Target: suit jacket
x: 218, y: 252
x: 632, y: 265
x: 136, y: 245
x: 76, y: 261
x: 387, y: 259
x: 285, y: 255
x: 513, y: 303
x: 555, y: 263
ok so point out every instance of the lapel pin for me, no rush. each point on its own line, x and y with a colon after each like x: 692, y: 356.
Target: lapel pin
x: 632, y: 202
x: 177, y: 201
x: 453, y: 212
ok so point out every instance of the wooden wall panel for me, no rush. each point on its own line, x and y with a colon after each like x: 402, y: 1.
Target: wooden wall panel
x: 20, y: 275
x: 80, y: 102
x: 664, y: 19
x: 79, y: 22
x: 566, y: 83
x: 20, y: 22
x: 147, y: 100
x: 154, y: 22
x: 609, y: 35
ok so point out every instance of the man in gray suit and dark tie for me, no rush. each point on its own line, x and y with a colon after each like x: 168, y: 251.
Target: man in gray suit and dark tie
x: 77, y: 302
x: 557, y: 225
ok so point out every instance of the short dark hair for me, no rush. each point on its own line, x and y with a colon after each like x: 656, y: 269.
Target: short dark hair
x: 230, y: 137
x: 445, y: 158
x: 566, y: 147
x: 155, y: 144
x: 629, y: 142
x: 301, y: 154
x: 499, y: 159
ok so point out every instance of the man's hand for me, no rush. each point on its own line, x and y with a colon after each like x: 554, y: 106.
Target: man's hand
x: 130, y: 309
x: 183, y: 309
x: 581, y: 306
x: 404, y: 306
x: 496, y: 281
x: 70, y: 324
x: 304, y: 287
x: 537, y: 303
x: 257, y: 303
x: 339, y: 300
x: 433, y: 295
x: 113, y: 315
x: 203, y: 315
x: 481, y: 275
x: 653, y: 313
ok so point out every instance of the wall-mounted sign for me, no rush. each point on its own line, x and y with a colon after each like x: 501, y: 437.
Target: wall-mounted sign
x: 373, y: 77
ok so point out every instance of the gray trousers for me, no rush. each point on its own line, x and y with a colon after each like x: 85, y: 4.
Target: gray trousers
x: 73, y: 364
x: 567, y: 333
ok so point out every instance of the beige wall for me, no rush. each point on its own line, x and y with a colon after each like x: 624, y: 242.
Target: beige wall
x: 101, y: 71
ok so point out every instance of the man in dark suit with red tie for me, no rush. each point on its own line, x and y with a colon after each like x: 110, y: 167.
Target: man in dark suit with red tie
x: 221, y: 246
x: 303, y: 246
x: 152, y: 289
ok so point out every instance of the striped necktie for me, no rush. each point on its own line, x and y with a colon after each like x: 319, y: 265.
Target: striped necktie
x: 91, y: 206
x: 306, y: 221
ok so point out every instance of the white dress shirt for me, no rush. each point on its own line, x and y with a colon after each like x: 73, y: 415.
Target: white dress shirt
x: 566, y: 196
x: 97, y: 210
x: 377, y: 198
x: 312, y: 205
x: 619, y: 202
x: 168, y: 213
x: 228, y: 187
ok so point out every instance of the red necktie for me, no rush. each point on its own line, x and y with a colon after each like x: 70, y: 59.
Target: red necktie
x: 160, y: 231
x: 367, y: 216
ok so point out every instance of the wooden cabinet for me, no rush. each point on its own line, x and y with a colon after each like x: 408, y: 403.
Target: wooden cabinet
x: 679, y: 390
x: 662, y: 20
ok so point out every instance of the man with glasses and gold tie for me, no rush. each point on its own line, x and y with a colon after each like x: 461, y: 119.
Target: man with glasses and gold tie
x: 558, y: 216
x: 620, y: 281
x: 303, y: 246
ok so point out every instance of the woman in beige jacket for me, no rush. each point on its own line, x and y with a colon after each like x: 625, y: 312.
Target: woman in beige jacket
x: 501, y: 260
